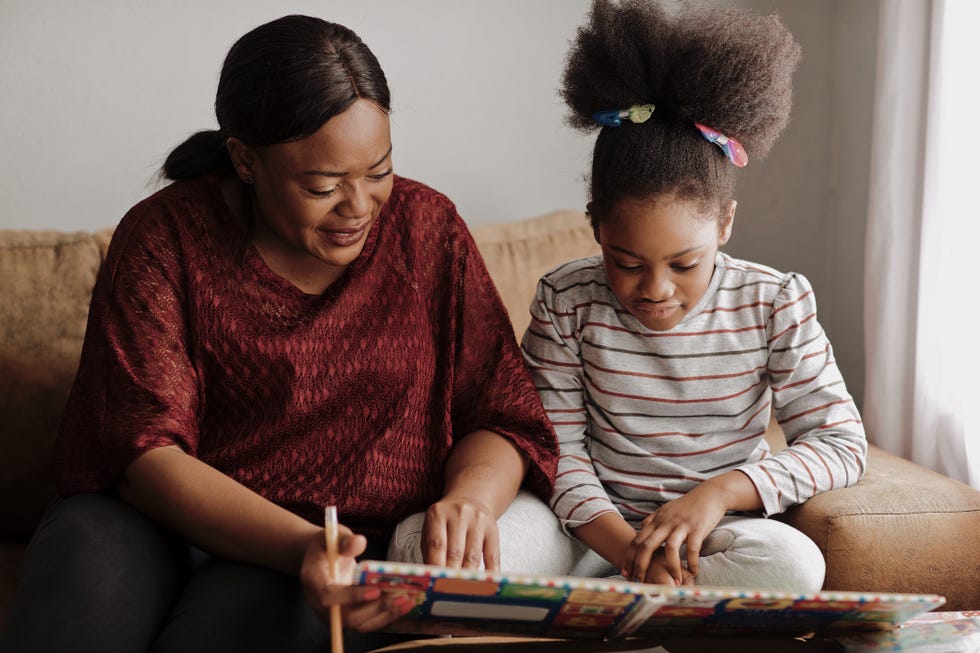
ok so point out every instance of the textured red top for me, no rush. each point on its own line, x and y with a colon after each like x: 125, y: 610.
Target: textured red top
x: 353, y: 397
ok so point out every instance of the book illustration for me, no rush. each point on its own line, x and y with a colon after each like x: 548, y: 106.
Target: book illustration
x: 934, y: 632
x: 469, y: 602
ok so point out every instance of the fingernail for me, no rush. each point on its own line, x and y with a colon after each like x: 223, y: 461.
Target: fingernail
x: 402, y: 604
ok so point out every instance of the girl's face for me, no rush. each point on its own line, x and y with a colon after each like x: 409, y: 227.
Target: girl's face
x: 318, y: 197
x: 659, y: 255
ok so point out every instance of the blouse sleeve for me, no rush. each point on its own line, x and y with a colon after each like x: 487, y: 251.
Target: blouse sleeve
x: 136, y: 388
x: 491, y: 386
x: 553, y: 357
x: 827, y: 446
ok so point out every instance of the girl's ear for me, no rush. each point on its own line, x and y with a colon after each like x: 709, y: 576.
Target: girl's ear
x: 592, y: 221
x: 242, y: 158
x: 726, y: 223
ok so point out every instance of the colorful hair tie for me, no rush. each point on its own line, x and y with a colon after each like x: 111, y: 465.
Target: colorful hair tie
x: 733, y: 150
x: 614, y: 117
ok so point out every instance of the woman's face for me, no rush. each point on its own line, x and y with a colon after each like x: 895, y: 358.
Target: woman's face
x: 319, y: 196
x: 659, y: 256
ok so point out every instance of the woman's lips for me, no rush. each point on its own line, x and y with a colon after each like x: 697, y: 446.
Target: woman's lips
x: 344, y: 237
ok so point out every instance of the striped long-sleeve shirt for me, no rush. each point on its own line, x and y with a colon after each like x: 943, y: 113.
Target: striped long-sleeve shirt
x: 644, y: 416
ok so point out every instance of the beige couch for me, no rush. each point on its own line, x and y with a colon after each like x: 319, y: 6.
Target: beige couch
x: 902, y: 529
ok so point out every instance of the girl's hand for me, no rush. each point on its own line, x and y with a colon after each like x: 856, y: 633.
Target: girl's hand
x: 658, y: 573
x: 364, y: 608
x: 460, y: 532
x: 687, y: 520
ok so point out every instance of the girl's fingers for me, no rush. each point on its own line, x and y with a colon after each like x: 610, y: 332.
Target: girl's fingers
x: 672, y: 555
x: 640, y: 551
x: 694, y: 543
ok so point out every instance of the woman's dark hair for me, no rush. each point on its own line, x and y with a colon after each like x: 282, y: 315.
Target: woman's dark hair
x: 281, y: 82
x: 721, y: 67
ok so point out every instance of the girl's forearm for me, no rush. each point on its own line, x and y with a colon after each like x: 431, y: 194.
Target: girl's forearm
x: 736, y: 490
x: 486, y: 468
x: 609, y: 535
x: 215, y: 512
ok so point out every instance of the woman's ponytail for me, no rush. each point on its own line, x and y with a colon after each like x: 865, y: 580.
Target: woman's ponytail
x: 202, y: 152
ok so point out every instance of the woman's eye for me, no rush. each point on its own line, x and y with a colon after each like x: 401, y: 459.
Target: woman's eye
x: 381, y: 175
x: 326, y: 192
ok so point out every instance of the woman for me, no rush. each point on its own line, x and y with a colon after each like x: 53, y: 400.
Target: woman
x: 287, y: 326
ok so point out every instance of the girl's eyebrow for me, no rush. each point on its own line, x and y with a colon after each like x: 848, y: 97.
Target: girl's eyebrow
x: 623, y: 250
x: 330, y: 173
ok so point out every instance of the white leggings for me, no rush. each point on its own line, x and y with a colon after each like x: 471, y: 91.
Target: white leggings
x: 741, y: 552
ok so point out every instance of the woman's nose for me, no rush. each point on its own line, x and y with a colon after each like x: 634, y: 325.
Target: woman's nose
x: 357, y: 201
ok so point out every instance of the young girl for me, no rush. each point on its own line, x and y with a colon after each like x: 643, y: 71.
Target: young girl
x: 660, y: 361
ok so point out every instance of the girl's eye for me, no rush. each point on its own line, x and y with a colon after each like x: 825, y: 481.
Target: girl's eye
x: 685, y: 268
x: 628, y: 268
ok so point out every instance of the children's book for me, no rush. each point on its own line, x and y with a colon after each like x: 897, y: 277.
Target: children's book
x: 935, y: 632
x: 470, y: 602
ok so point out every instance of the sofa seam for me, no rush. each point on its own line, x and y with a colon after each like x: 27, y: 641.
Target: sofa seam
x: 894, y: 514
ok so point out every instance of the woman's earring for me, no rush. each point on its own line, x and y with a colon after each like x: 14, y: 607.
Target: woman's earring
x: 248, y: 179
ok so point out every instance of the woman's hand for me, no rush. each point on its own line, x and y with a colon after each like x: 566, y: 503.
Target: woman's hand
x: 460, y: 533
x: 364, y: 608
x: 483, y: 474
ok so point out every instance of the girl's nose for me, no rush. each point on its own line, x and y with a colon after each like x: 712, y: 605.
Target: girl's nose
x: 656, y: 287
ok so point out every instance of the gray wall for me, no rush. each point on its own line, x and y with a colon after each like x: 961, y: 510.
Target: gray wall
x: 96, y: 93
x: 804, y: 208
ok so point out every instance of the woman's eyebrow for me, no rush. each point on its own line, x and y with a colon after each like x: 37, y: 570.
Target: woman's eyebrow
x: 330, y: 173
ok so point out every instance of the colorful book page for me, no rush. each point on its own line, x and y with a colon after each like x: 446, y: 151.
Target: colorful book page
x: 468, y: 603
x: 933, y: 632
x: 460, y: 602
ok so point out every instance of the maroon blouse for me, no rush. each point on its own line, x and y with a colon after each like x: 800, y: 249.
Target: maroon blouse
x: 353, y: 397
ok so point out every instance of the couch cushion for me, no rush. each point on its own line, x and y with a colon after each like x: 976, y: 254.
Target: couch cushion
x: 47, y: 279
x: 910, y: 519
x: 518, y: 253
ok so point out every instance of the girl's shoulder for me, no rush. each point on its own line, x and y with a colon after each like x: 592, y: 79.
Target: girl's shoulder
x: 755, y: 278
x: 573, y: 274
x: 774, y: 292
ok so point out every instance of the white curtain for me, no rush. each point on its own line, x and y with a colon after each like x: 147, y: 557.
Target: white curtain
x: 922, y: 289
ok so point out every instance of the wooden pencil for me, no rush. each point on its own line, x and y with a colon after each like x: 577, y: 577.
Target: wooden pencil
x: 330, y: 531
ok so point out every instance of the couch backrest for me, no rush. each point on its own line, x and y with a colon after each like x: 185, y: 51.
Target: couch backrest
x: 518, y: 253
x: 46, y: 280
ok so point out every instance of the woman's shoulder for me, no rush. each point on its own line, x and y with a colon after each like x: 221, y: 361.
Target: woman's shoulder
x: 414, y: 199
x: 183, y: 212
x: 186, y: 200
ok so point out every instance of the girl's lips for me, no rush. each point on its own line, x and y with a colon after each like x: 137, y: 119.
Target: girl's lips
x: 658, y: 311
x: 344, y: 237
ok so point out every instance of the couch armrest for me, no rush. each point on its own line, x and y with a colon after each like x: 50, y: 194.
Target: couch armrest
x: 902, y: 528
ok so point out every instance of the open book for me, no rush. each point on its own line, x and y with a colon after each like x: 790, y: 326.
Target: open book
x: 468, y: 602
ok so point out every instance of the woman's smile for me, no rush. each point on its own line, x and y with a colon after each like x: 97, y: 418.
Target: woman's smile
x: 345, y: 237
